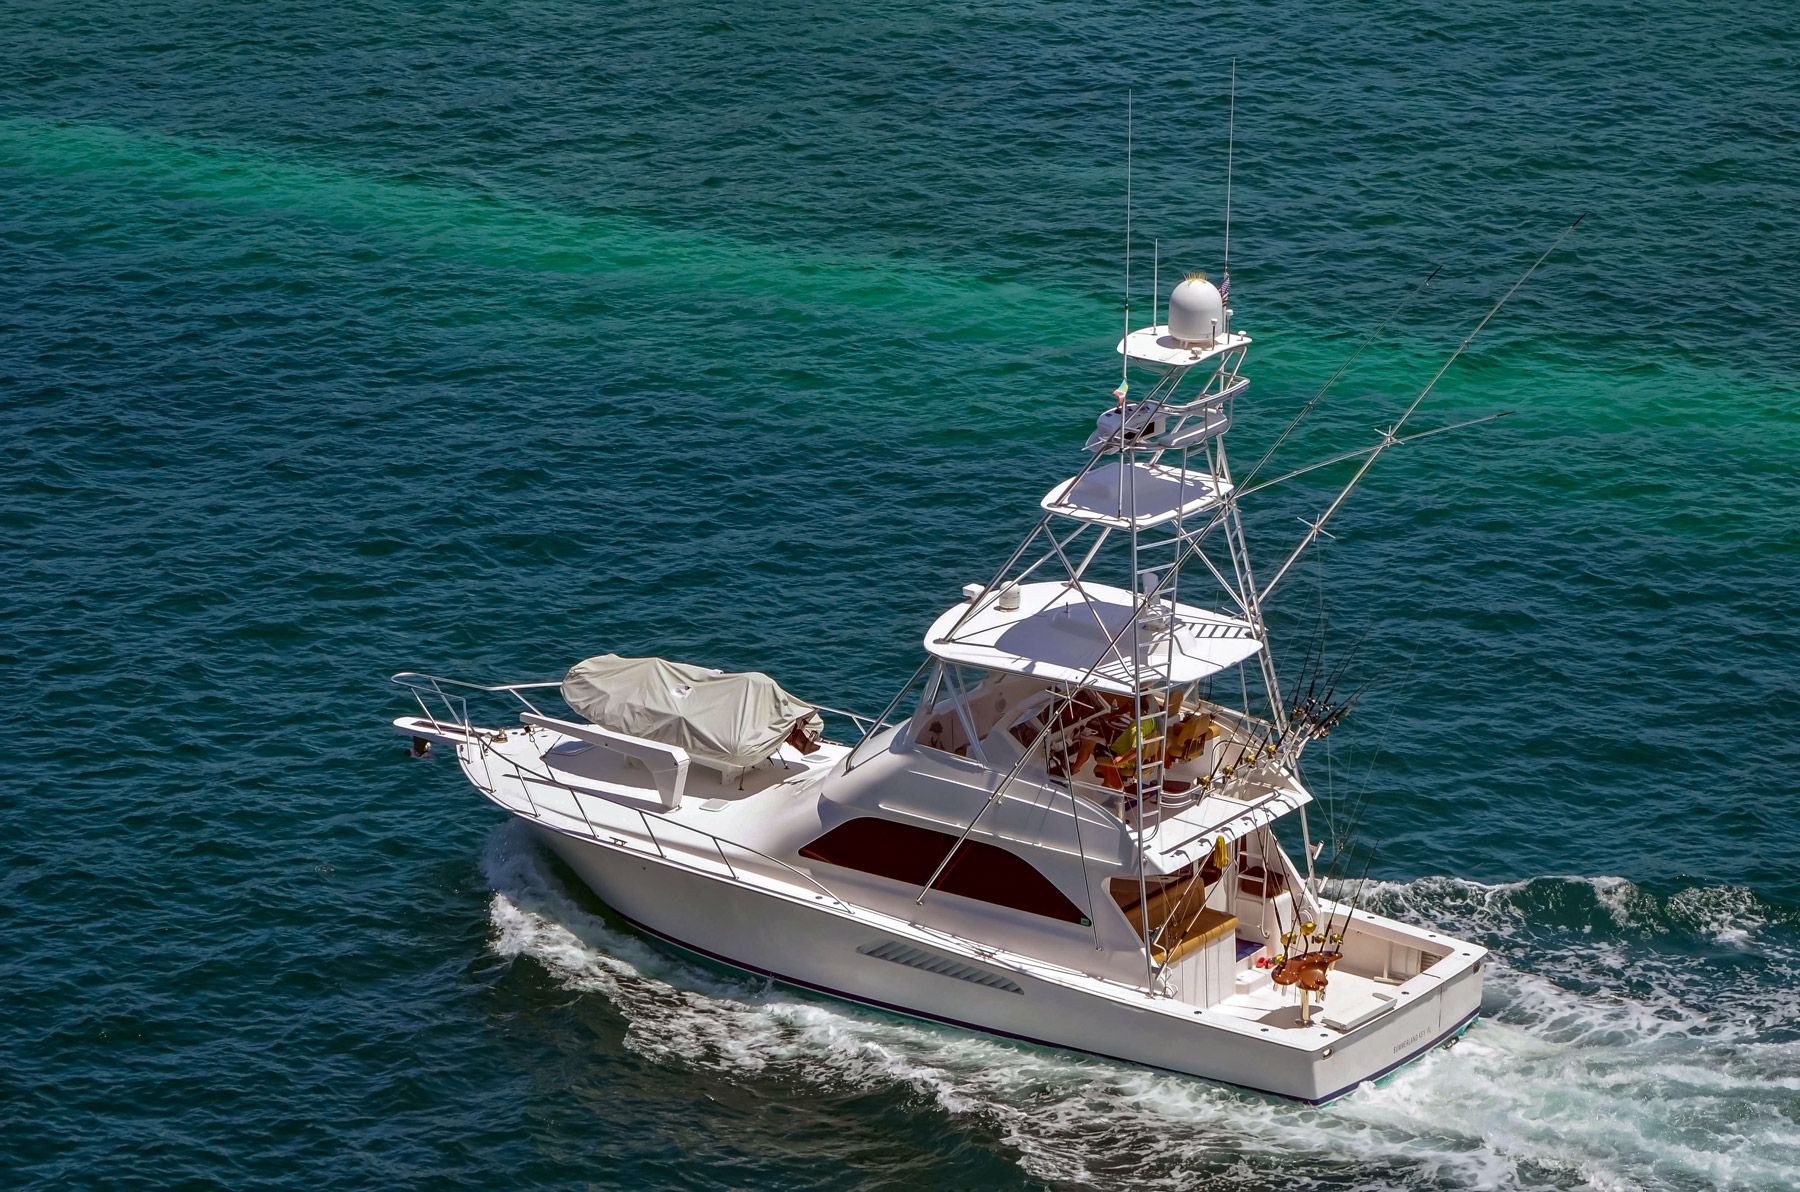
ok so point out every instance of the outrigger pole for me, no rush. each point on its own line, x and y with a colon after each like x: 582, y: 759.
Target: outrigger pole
x: 1343, y: 368
x: 1358, y: 452
x: 1390, y: 437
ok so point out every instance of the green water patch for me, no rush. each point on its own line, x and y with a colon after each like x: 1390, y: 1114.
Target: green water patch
x: 844, y: 299
x: 432, y: 221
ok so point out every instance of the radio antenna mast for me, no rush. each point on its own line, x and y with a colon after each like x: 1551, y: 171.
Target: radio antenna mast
x: 1230, y: 152
x: 1125, y: 357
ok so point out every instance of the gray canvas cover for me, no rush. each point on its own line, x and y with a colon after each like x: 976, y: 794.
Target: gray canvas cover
x: 724, y: 719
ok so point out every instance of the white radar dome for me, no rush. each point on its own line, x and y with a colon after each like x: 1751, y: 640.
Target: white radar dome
x: 1196, y: 311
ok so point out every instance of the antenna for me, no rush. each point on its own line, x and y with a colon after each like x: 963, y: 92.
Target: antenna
x: 1125, y: 355
x: 1224, y: 279
x: 1230, y: 152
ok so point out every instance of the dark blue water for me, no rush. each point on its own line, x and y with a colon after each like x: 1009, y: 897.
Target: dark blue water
x: 346, y: 338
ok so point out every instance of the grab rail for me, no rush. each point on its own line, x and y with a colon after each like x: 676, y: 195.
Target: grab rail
x: 861, y: 723
x: 457, y: 706
x: 719, y: 842
x: 421, y: 685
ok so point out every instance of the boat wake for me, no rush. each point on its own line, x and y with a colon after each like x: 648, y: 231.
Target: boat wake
x: 1628, y: 1041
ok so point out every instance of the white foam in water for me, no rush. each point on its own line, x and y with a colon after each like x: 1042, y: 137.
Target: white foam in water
x: 1555, y: 1088
x: 1728, y: 913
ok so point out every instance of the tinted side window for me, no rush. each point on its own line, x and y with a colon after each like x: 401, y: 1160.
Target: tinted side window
x: 908, y: 853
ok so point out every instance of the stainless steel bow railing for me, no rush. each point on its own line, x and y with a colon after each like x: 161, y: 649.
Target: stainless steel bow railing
x: 426, y: 688
x: 457, y: 705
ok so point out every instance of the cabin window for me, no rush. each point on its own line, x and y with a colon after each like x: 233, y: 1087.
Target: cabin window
x: 908, y: 853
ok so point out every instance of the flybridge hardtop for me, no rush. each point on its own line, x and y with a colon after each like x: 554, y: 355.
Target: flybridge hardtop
x: 1070, y: 632
x: 1062, y: 829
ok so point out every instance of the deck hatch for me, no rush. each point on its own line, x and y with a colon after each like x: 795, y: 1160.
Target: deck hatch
x: 932, y: 962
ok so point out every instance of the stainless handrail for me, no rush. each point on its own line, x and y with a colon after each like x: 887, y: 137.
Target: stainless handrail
x: 719, y: 843
x: 1209, y: 396
x: 404, y: 679
x: 434, y: 684
x: 421, y: 685
x: 860, y: 722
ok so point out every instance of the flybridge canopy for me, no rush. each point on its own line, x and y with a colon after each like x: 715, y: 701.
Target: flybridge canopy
x: 1114, y: 494
x: 1154, y: 345
x: 1060, y: 632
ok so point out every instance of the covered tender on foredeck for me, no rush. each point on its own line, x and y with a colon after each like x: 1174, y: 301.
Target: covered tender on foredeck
x: 722, y: 719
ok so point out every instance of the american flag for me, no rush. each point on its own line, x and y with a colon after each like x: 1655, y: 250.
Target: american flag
x: 1225, y: 287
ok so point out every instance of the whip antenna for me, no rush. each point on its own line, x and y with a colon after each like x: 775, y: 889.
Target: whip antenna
x: 1230, y: 152
x: 1124, y: 353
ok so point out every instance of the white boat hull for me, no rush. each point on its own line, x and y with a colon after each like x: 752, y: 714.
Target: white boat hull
x: 819, y: 946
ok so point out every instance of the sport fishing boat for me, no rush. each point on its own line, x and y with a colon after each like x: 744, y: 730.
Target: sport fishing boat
x: 1067, y: 826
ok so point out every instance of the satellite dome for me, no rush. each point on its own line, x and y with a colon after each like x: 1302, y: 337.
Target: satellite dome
x: 1196, y: 311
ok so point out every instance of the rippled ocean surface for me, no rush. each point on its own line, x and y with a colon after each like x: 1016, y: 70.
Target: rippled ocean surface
x: 344, y: 338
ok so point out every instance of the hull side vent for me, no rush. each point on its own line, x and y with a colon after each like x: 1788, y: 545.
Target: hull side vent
x: 931, y: 962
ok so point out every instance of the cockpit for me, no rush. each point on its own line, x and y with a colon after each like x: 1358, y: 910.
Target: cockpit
x: 1160, y: 756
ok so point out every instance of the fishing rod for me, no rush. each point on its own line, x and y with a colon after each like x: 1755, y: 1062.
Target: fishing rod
x: 1310, y: 968
x: 1337, y: 714
x: 1311, y: 937
x: 1315, y: 651
x: 1338, y: 676
x: 1197, y: 882
x: 1339, y: 929
x: 1349, y: 826
x: 1283, y: 931
x: 1357, y: 901
x: 1390, y: 436
x: 1310, y: 674
x: 1309, y: 708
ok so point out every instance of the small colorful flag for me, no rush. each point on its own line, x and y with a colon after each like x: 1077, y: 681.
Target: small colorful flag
x: 1122, y: 390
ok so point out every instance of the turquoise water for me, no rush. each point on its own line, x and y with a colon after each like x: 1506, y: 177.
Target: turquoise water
x: 346, y: 338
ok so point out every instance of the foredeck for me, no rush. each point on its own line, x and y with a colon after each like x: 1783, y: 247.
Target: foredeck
x: 590, y: 769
